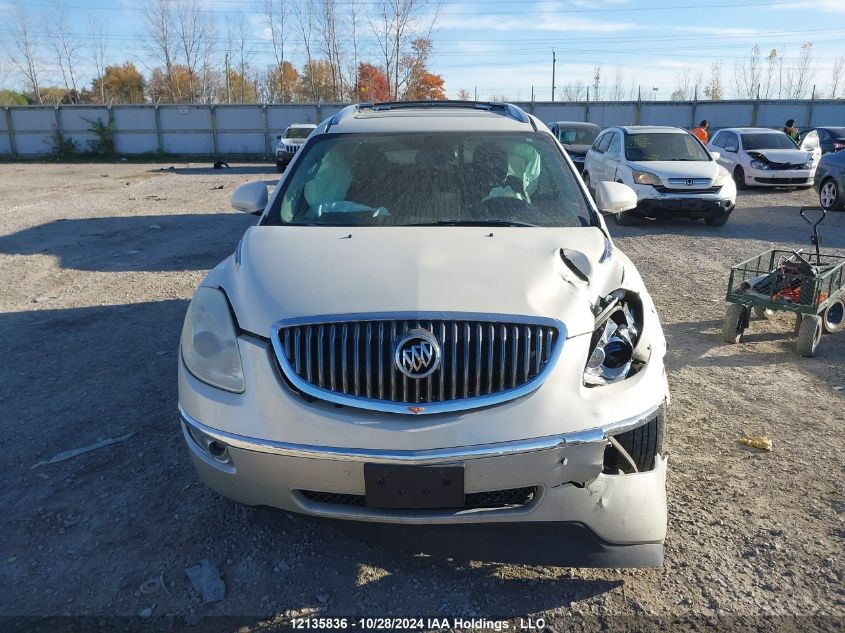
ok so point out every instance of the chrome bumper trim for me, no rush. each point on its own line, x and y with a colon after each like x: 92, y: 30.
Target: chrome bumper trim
x: 459, y: 453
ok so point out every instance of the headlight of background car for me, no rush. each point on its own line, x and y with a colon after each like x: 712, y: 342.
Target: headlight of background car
x: 618, y: 329
x: 756, y: 164
x: 807, y: 165
x: 645, y: 178
x: 209, y: 341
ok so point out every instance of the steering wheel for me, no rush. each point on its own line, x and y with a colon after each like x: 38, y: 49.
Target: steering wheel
x: 504, y: 205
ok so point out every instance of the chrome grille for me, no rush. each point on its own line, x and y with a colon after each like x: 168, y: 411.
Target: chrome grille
x: 350, y: 360
x: 690, y: 182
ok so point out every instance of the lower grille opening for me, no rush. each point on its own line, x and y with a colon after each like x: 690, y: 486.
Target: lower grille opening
x: 510, y: 498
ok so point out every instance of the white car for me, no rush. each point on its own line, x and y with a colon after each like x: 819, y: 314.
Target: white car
x: 760, y: 157
x: 672, y: 172
x: 290, y: 142
x: 431, y: 325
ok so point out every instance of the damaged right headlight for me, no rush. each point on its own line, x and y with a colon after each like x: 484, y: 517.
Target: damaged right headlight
x: 618, y: 329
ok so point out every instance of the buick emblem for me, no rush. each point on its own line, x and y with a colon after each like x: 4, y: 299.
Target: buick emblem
x: 417, y: 354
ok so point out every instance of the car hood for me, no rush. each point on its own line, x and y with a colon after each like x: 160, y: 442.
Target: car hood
x: 678, y: 168
x: 792, y: 156
x: 289, y: 272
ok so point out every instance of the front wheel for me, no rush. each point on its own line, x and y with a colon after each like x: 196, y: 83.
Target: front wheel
x: 833, y: 317
x: 586, y: 178
x: 735, y: 323
x: 830, y: 198
x: 739, y: 178
x: 717, y: 220
x: 809, y: 335
x: 279, y: 168
x: 643, y: 444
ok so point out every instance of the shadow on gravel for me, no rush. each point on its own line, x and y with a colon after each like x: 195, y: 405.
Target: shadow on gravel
x: 195, y: 241
x: 210, y: 171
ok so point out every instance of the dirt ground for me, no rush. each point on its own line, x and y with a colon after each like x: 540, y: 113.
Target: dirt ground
x: 97, y: 265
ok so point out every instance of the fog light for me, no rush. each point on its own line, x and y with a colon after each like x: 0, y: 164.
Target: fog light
x: 215, y: 449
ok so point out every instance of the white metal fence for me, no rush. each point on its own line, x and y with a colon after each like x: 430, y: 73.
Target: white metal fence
x: 228, y: 130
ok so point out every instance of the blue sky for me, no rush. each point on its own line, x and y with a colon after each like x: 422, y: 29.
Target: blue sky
x: 504, y: 47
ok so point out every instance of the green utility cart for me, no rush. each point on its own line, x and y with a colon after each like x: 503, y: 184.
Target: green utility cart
x: 811, y: 286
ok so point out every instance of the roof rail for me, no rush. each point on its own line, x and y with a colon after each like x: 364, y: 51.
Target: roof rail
x: 505, y: 109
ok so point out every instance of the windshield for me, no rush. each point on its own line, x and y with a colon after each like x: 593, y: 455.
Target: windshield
x: 297, y: 132
x: 770, y: 140
x: 408, y: 179
x: 578, y: 135
x: 652, y: 146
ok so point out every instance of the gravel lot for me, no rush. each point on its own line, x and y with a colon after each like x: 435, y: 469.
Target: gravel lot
x: 98, y: 263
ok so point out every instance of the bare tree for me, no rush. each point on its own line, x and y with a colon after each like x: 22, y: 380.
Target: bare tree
x: 160, y: 40
x: 241, y: 52
x: 616, y: 91
x: 303, y: 11
x: 393, y: 25
x: 98, y: 31
x: 714, y: 89
x: 767, y: 89
x: 275, y: 13
x: 65, y: 48
x: 597, y: 83
x: 836, y: 76
x: 747, y: 74
x: 801, y: 75
x: 328, y: 26
x: 463, y: 94
x: 573, y: 91
x: 354, y: 19
x: 193, y: 30
x: 685, y: 87
x: 25, y: 54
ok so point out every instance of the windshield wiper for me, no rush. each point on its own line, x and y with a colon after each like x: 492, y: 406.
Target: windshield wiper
x: 475, y: 223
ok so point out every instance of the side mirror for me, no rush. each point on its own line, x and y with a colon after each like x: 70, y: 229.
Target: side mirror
x: 715, y: 155
x: 250, y: 198
x: 614, y: 197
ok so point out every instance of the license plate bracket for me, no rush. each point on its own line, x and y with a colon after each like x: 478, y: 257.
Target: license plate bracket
x: 390, y: 486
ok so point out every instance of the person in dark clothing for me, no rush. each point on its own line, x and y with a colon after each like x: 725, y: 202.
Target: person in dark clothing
x: 790, y: 130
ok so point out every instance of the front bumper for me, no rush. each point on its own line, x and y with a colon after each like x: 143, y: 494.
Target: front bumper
x: 779, y: 177
x: 619, y: 510
x: 656, y: 203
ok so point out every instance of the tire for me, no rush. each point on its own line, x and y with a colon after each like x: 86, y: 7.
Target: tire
x: 739, y: 178
x: 833, y: 317
x: 735, y: 323
x: 717, y: 220
x: 623, y: 219
x: 809, y: 335
x: 798, y: 317
x: 643, y: 444
x: 830, y: 197
x: 280, y: 167
x: 763, y: 313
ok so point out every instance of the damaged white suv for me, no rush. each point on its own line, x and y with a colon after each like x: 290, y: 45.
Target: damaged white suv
x: 430, y: 325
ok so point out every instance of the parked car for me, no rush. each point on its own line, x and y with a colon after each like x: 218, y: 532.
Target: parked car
x: 430, y: 324
x: 830, y: 181
x: 290, y: 142
x: 576, y: 138
x: 672, y: 173
x: 760, y: 157
x: 831, y: 139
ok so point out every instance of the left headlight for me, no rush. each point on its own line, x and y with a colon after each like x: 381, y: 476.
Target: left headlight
x: 722, y: 177
x: 209, y: 341
x: 618, y: 329
x: 756, y: 164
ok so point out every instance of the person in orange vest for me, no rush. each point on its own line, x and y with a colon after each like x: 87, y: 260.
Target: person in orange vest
x: 701, y: 131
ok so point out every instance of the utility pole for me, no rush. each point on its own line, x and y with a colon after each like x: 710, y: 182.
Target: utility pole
x: 228, y: 84
x: 476, y: 93
x: 554, y: 61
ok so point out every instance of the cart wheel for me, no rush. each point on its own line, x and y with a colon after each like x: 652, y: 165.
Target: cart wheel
x: 809, y: 335
x: 797, y: 329
x: 833, y: 317
x: 763, y: 313
x: 735, y: 323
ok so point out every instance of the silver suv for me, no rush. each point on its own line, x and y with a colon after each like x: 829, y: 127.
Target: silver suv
x: 290, y: 142
x: 430, y: 324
